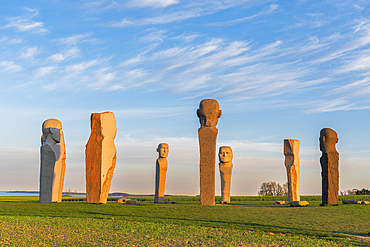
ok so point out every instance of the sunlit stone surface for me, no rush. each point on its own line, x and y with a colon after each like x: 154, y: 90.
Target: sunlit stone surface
x: 225, y: 155
x: 100, y: 157
x: 329, y: 166
x: 291, y: 150
x: 208, y: 114
x: 160, y: 172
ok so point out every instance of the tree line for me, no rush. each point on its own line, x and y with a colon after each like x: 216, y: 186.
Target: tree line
x: 273, y: 189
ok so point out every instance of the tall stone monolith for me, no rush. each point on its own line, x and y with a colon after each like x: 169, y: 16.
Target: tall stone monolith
x: 53, y: 165
x: 160, y: 172
x: 208, y: 114
x: 330, y: 166
x: 225, y: 155
x: 100, y: 157
x: 291, y: 150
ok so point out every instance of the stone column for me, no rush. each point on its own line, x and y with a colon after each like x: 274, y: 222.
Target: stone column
x: 160, y: 172
x: 208, y: 114
x: 330, y: 166
x: 100, y: 157
x: 291, y: 150
x: 225, y: 155
x: 53, y: 165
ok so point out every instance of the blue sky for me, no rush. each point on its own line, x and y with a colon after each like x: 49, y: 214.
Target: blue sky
x: 279, y: 69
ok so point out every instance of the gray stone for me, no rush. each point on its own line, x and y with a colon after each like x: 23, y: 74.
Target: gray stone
x: 132, y: 202
x: 348, y: 201
x: 299, y: 203
x: 52, y: 162
x: 123, y: 200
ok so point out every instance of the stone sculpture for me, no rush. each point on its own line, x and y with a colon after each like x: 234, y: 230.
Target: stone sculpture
x: 299, y: 203
x: 160, y: 172
x: 208, y: 114
x: 329, y: 166
x: 100, y: 157
x: 53, y: 165
x: 291, y: 150
x: 226, y: 166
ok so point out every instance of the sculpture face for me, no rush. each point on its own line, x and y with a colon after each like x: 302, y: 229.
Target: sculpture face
x: 51, y: 127
x: 225, y: 154
x: 163, y: 150
x: 208, y: 113
x: 328, y: 139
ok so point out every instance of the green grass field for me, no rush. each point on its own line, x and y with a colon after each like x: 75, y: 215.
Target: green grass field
x: 249, y: 221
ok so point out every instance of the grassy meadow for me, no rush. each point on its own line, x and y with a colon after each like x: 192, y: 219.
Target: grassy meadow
x: 249, y: 221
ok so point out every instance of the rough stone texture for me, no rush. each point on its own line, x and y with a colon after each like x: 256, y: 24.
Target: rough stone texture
x: 132, y: 202
x: 208, y: 114
x: 225, y: 156
x: 291, y: 150
x: 100, y: 157
x: 52, y: 167
x: 160, y: 172
x: 362, y: 202
x: 329, y: 166
x: 123, y: 200
x: 299, y: 203
x: 279, y: 202
x: 348, y: 201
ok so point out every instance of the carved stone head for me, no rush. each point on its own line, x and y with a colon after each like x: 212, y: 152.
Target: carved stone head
x: 208, y: 113
x: 51, y: 127
x: 163, y: 150
x: 328, y: 139
x: 225, y: 154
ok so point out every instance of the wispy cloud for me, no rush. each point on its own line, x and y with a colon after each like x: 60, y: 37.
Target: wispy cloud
x: 77, y: 38
x: 187, y: 36
x: 151, y: 3
x: 163, y: 19
x: 25, y: 24
x: 41, y: 72
x: 80, y: 67
x: 103, y: 76
x: 30, y: 52
x: 58, y: 57
x: 10, y: 66
x: 266, y: 11
x: 9, y: 41
x: 154, y: 36
x: 183, y: 12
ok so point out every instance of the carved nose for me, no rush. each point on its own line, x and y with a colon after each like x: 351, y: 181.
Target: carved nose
x: 208, y: 123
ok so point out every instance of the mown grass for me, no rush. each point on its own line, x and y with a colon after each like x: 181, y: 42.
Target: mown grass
x: 186, y: 223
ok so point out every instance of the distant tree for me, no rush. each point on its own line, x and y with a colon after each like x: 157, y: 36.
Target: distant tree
x: 363, y: 192
x: 273, y: 189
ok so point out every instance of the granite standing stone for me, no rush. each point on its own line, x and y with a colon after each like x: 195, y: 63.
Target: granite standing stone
x: 291, y: 150
x: 52, y: 167
x: 208, y: 114
x: 330, y: 166
x: 160, y: 172
x: 100, y: 157
x: 225, y: 155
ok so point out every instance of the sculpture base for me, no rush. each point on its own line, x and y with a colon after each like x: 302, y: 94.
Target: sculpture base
x: 159, y: 200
